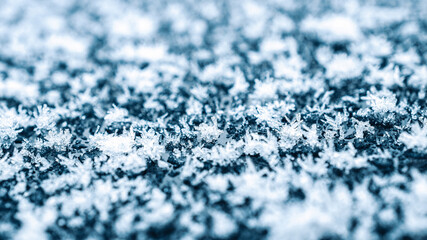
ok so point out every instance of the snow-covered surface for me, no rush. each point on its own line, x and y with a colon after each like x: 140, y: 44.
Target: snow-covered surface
x: 234, y: 119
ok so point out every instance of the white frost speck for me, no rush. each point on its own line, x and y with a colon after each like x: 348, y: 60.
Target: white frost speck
x: 332, y: 28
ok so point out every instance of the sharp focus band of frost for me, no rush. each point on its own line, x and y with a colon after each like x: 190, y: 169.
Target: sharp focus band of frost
x: 230, y: 119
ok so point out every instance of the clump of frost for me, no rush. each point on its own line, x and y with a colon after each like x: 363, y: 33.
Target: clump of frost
x: 217, y: 183
x: 316, y: 213
x: 332, y: 28
x: 310, y: 133
x: 150, y: 145
x: 240, y: 85
x: 200, y: 92
x: 419, y: 78
x: 58, y: 139
x: 226, y: 154
x: 346, y: 159
x: 116, y: 115
x: 219, y: 71
x: 113, y: 144
x: 388, y: 76
x: 11, y: 123
x: 209, y: 132
x: 265, y: 115
x: 381, y: 101
x: 271, y: 46
x: 143, y: 81
x: 265, y: 90
x: 362, y: 127
x: 194, y: 107
x: 343, y: 66
x: 223, y: 225
x: 10, y: 165
x: 408, y: 58
x: 24, y: 91
x: 45, y: 118
x: 290, y: 67
x: 282, y: 24
x: 258, y: 144
x: 34, y: 220
x: 313, y: 166
x: 159, y: 209
x: 140, y: 52
x: 381, y: 16
x: 133, y: 25
x: 272, y: 112
x: 417, y: 138
x: 377, y: 46
x: 336, y: 123
x: 188, y: 219
x: 291, y: 133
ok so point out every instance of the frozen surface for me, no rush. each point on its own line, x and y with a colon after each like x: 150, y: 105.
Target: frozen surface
x: 231, y: 119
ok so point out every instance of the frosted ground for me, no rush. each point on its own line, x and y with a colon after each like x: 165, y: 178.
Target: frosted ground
x: 213, y: 119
